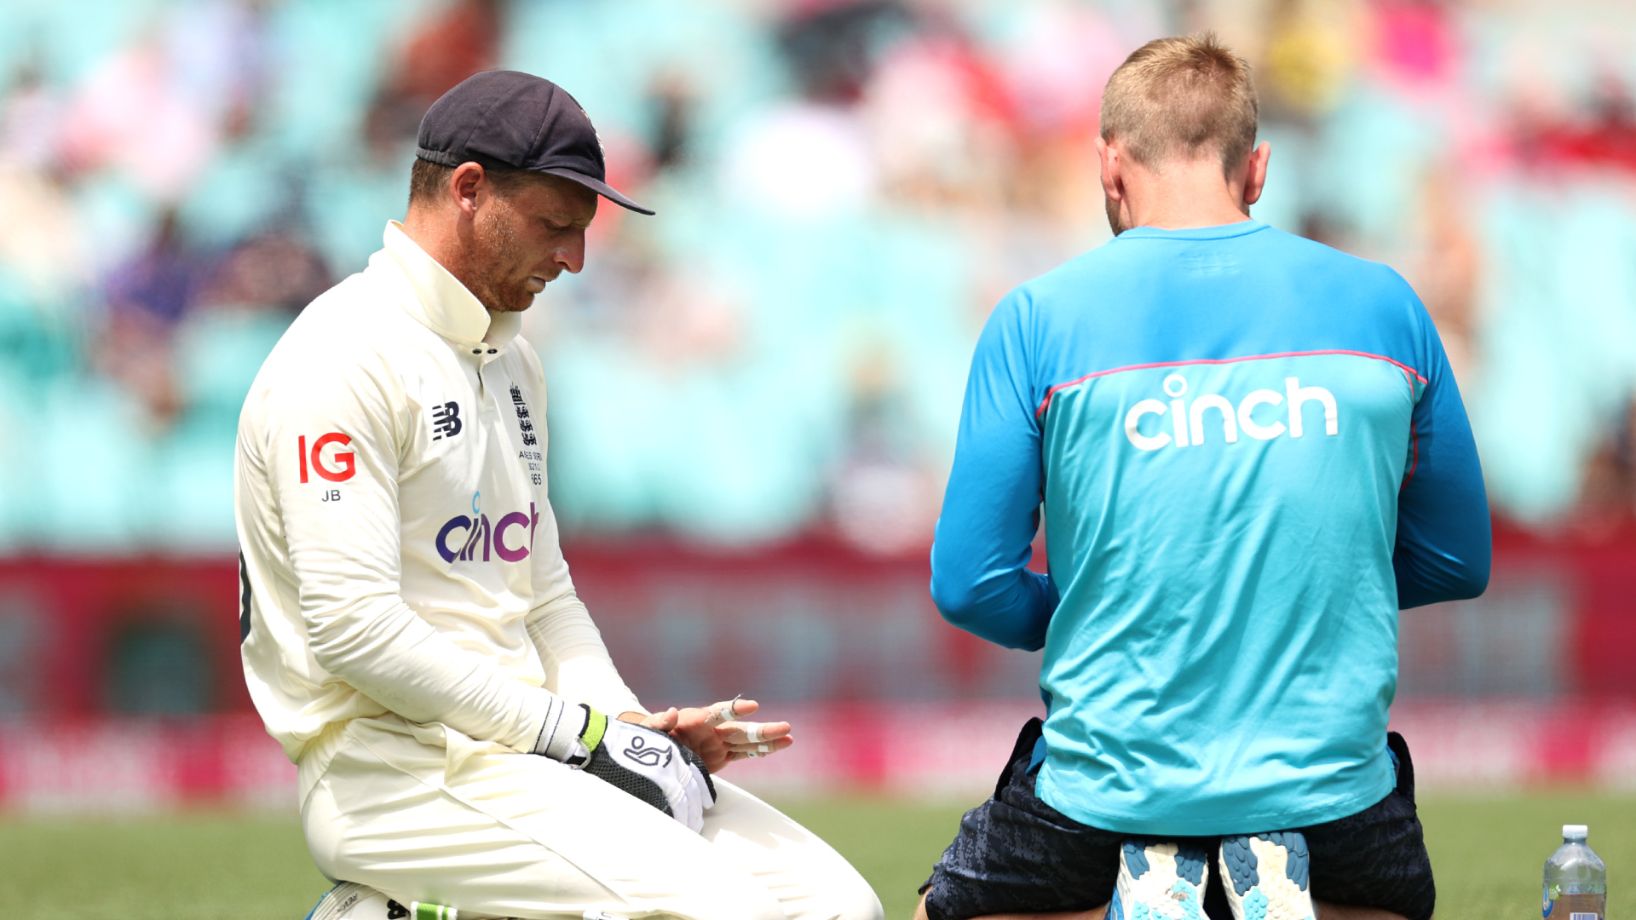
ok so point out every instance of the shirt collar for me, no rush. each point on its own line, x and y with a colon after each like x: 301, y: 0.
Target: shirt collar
x: 441, y: 302
x: 1218, y: 232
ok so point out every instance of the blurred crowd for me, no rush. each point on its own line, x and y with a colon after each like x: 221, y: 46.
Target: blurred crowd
x: 844, y: 188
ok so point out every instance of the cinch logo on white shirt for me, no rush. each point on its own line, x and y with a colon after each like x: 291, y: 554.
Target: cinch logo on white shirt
x: 465, y: 537
x: 1258, y: 415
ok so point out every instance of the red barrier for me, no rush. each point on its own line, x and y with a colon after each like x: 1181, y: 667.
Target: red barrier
x: 1532, y: 682
x: 934, y: 750
x: 809, y: 622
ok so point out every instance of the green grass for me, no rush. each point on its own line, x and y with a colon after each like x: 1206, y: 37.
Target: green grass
x: 1487, y: 851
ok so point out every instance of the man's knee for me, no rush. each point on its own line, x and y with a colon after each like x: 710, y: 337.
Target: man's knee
x: 855, y: 901
x: 843, y: 896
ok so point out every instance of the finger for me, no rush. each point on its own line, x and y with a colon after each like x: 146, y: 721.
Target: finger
x: 752, y: 732
x: 722, y: 711
x: 698, y: 739
x: 765, y: 747
x: 760, y: 749
x: 728, y: 710
x: 662, y: 721
x: 711, y: 751
x: 753, y: 751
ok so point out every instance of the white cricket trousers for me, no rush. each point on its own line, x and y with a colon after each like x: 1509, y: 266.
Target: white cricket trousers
x: 425, y: 813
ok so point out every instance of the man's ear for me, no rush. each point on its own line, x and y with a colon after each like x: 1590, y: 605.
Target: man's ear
x: 1112, y: 182
x: 467, y: 184
x: 1255, y: 173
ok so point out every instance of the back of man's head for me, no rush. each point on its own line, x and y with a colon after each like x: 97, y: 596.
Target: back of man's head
x: 1181, y: 98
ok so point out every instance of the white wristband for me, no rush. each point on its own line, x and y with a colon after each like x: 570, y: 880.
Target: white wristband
x: 559, y: 733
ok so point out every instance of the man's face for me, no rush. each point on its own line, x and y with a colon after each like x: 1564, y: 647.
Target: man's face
x: 524, y: 237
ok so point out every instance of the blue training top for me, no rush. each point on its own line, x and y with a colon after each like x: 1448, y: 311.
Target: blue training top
x: 1250, y: 453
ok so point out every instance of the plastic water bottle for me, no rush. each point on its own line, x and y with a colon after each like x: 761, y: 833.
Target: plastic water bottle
x: 1576, y: 881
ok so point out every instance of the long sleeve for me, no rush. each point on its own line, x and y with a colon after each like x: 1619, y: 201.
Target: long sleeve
x: 1443, y: 531
x: 577, y: 664
x: 330, y: 446
x: 980, y: 580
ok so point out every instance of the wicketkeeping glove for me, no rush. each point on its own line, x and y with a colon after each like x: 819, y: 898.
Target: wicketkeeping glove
x: 646, y: 764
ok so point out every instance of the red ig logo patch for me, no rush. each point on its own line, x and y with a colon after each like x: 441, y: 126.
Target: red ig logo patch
x: 340, y: 467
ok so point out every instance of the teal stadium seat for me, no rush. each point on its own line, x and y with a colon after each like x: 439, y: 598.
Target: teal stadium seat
x: 90, y: 476
x: 609, y: 55
x: 218, y: 352
x: 1558, y: 339
x: 17, y: 458
x: 72, y: 39
x: 329, y: 58
x: 191, y: 488
x: 236, y: 196
x: 36, y: 351
x: 352, y: 202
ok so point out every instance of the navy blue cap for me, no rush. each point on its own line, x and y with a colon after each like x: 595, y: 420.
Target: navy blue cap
x: 519, y: 120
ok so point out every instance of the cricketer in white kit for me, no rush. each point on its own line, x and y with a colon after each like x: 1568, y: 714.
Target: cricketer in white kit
x: 411, y: 635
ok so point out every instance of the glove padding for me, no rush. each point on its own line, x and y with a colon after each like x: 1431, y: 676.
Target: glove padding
x: 647, y: 764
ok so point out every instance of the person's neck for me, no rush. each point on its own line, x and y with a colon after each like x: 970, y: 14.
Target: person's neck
x: 1185, y: 195
x: 428, y: 234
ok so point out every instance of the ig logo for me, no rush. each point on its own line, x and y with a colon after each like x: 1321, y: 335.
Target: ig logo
x: 340, y: 465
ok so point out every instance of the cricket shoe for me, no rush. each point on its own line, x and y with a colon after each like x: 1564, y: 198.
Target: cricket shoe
x: 352, y: 901
x: 1160, y: 880
x: 1268, y: 876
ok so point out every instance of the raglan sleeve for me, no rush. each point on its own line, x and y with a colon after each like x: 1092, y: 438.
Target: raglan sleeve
x: 333, y: 444
x: 1444, y: 538
x: 577, y: 664
x: 980, y: 551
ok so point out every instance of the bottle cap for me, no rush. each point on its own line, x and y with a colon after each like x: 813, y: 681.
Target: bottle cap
x: 1575, y: 831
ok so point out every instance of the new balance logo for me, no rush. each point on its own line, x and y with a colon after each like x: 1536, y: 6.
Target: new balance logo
x: 446, y: 421
x: 1183, y: 423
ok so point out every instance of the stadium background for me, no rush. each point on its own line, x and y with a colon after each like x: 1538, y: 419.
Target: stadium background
x: 754, y: 395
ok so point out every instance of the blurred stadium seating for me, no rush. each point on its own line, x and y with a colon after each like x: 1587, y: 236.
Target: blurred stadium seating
x: 755, y: 393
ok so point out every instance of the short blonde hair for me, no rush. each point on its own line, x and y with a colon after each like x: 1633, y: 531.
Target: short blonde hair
x: 1181, y: 98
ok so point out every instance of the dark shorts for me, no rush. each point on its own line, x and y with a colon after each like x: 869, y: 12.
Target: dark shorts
x: 1016, y: 854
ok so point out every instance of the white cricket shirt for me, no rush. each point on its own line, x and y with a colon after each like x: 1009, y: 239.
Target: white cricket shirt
x: 399, y: 553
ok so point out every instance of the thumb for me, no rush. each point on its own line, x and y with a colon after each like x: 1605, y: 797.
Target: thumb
x: 662, y: 721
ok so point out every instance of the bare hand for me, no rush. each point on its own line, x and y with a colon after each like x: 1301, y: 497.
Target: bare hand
x: 719, y: 734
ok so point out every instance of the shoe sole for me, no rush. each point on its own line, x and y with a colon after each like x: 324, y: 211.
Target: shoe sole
x: 1267, y: 876
x: 340, y: 902
x: 1159, y: 881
